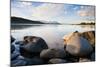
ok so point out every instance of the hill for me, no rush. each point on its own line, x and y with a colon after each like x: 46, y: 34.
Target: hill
x: 18, y: 20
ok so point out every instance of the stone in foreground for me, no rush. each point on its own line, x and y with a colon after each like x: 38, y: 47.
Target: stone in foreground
x: 52, y: 53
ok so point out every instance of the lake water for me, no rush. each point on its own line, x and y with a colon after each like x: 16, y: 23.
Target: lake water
x: 52, y: 34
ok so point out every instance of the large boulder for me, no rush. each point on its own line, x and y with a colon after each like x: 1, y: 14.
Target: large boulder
x: 52, y: 53
x: 77, y: 45
x: 32, y: 46
x: 90, y: 36
x: 57, y: 61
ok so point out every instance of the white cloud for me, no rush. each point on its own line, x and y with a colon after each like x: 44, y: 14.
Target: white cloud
x: 21, y: 9
x: 26, y: 3
x: 48, y: 11
x: 86, y: 11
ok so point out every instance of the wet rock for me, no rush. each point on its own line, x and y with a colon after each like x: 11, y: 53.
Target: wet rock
x: 19, y: 61
x: 52, y: 53
x: 92, y: 56
x: 12, y: 48
x: 84, y: 60
x: 90, y: 36
x: 56, y: 61
x: 34, y: 61
x: 14, y: 55
x: 19, y: 42
x: 12, y: 39
x: 32, y: 46
x: 71, y: 58
x: 77, y: 45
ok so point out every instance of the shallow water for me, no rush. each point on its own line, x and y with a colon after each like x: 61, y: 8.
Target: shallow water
x: 52, y: 34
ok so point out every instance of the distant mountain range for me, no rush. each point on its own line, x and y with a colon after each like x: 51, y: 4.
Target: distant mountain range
x: 18, y: 20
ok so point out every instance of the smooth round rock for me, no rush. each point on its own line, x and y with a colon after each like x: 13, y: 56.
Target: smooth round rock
x: 33, y: 46
x: 52, y: 53
x: 77, y: 45
x: 56, y: 61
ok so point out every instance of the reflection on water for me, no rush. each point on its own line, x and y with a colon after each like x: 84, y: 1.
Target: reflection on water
x: 87, y: 26
x: 52, y: 34
x: 22, y: 26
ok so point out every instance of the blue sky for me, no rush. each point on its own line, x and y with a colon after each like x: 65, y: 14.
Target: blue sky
x: 62, y: 13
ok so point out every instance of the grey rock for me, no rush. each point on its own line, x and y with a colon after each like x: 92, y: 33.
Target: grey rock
x: 84, y: 60
x: 56, y: 61
x: 19, y: 61
x: 93, y: 56
x: 32, y: 46
x: 14, y: 55
x: 12, y: 48
x: 34, y: 61
x: 19, y: 42
x: 52, y: 53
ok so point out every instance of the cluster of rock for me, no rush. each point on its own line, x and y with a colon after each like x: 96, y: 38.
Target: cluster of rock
x: 33, y: 50
x: 81, y: 45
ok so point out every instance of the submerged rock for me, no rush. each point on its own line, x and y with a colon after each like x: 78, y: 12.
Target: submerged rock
x: 52, y: 53
x: 32, y: 46
x: 77, y: 45
x: 56, y: 61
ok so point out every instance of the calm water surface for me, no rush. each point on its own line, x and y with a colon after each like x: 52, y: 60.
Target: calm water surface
x: 52, y: 34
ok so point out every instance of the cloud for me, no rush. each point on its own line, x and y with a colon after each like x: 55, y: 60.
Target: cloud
x: 26, y: 3
x: 21, y: 9
x: 51, y: 11
x: 48, y: 11
x: 86, y: 11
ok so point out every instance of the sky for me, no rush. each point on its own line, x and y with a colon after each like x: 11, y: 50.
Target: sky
x: 62, y: 13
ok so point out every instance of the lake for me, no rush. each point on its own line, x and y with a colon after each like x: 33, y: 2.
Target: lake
x: 52, y: 34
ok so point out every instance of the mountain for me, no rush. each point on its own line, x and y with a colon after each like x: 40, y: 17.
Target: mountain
x: 18, y: 20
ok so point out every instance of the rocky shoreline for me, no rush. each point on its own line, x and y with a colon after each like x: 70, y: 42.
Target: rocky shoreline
x: 33, y: 50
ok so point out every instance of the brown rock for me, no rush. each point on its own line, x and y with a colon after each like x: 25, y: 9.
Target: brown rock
x: 90, y: 36
x: 77, y: 45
